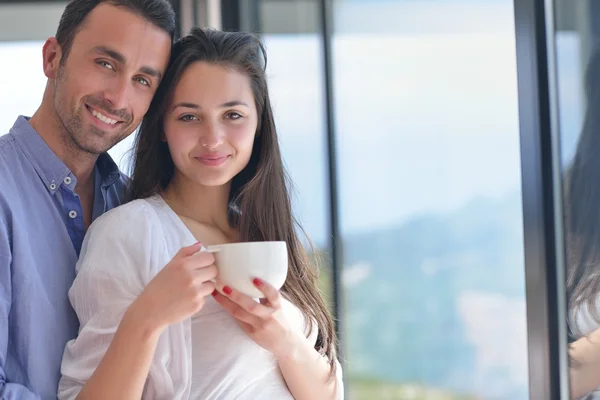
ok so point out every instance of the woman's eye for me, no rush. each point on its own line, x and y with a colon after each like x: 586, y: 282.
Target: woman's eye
x: 233, y: 115
x: 188, y: 118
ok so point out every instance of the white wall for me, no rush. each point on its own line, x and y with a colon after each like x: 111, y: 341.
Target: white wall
x: 29, y: 21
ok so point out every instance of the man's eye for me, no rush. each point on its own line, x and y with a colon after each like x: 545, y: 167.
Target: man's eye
x: 106, y: 64
x: 143, y: 81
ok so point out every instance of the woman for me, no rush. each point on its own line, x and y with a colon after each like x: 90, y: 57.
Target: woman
x: 582, y: 246
x: 207, y: 168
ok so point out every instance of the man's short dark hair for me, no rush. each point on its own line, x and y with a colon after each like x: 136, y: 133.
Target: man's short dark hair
x: 158, y: 12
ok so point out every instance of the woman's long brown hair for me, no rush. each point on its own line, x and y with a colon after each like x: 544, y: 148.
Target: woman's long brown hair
x: 582, y: 204
x: 259, y: 201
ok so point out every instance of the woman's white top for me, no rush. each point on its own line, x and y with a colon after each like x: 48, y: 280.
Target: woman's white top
x: 583, y: 323
x: 207, y: 356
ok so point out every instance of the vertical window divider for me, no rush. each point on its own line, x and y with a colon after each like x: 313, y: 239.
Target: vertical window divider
x: 335, y: 240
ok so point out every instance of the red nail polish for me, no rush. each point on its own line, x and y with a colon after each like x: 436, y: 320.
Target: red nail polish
x: 227, y: 290
x: 257, y: 281
x: 214, y: 292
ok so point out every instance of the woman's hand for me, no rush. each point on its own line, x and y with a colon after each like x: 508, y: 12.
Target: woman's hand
x: 178, y: 290
x: 264, y: 322
x: 306, y: 372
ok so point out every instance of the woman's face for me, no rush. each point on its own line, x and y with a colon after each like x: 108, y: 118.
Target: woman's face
x: 210, y: 124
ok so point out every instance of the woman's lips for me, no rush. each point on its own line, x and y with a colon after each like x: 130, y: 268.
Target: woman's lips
x: 213, y: 160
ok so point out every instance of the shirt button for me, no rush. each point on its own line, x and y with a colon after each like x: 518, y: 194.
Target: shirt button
x: 73, y: 214
x: 67, y: 180
x: 52, y: 186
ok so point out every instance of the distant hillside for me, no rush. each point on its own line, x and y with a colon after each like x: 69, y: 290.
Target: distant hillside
x: 407, y: 290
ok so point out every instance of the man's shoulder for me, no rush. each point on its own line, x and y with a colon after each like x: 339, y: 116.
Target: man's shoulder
x: 12, y: 162
x: 118, y: 196
x: 123, y: 181
x: 7, y: 146
x: 8, y: 159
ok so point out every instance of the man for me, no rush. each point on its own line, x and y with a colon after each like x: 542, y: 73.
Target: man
x: 103, y: 68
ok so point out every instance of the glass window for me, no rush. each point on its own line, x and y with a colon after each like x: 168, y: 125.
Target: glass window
x: 427, y: 135
x: 295, y: 79
x: 289, y: 30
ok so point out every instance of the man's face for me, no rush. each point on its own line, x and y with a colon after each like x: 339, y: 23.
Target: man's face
x: 104, y: 87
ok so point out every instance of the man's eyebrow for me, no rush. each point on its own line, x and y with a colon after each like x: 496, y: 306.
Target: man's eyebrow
x: 120, y: 58
x: 151, y: 71
x: 111, y: 53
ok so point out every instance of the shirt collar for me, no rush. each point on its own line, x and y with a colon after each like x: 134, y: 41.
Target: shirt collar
x: 48, y: 166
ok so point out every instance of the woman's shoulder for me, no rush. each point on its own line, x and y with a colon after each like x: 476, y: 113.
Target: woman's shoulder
x: 134, y: 221
x: 139, y: 212
x: 126, y: 231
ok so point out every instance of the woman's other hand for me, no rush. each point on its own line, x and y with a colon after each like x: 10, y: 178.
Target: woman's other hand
x: 178, y: 291
x: 263, y: 322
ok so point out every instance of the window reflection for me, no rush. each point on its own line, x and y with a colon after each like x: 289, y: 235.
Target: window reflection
x: 577, y: 49
x: 582, y: 241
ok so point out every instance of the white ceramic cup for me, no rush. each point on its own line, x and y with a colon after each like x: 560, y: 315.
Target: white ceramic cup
x: 239, y: 263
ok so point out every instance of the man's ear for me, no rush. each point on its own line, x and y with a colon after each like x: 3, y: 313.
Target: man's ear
x: 51, y: 55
